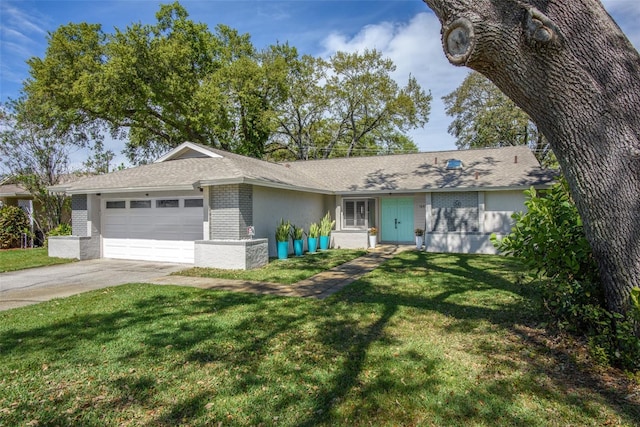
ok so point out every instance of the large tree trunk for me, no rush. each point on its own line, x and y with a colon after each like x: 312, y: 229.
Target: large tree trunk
x: 570, y: 67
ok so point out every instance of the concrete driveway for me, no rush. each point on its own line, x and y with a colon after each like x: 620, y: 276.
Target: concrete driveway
x: 24, y: 287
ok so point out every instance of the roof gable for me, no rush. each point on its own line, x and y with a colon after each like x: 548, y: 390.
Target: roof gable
x: 188, y: 150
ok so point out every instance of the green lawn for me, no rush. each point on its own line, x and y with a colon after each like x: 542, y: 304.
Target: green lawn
x: 287, y: 271
x: 426, y: 339
x: 19, y: 259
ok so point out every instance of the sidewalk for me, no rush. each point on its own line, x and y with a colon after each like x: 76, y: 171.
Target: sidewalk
x: 319, y: 286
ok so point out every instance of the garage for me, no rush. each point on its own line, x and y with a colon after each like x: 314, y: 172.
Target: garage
x: 152, y: 229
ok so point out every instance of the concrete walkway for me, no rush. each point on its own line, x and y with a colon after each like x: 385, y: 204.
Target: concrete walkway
x: 31, y: 286
x: 319, y: 286
x: 34, y: 285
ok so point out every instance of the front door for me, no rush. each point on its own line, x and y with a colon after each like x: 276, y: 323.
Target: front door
x: 397, y: 220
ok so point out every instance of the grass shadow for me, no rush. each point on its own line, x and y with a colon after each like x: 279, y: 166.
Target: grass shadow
x: 384, y: 350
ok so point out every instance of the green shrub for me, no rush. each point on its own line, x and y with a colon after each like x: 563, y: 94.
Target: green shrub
x: 61, y: 230
x: 14, y: 222
x: 549, y: 238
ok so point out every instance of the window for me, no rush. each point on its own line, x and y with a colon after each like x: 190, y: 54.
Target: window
x: 118, y: 204
x: 193, y: 203
x: 171, y: 203
x: 454, y: 164
x: 140, y: 204
x: 359, y: 213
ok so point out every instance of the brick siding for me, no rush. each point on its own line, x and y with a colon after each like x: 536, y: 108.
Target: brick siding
x: 454, y: 212
x: 231, y: 211
x: 79, y: 215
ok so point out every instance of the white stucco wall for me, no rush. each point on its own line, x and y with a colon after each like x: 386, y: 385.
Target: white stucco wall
x: 498, y: 208
x: 74, y: 247
x: 229, y: 254
x: 301, y: 209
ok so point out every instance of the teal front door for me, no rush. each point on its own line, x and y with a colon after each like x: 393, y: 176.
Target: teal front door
x: 397, y: 220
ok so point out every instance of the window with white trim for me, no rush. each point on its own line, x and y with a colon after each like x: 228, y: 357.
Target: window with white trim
x: 358, y: 213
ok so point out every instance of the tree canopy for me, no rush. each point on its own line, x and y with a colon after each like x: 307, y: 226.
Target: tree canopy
x: 159, y: 85
x: 347, y: 105
x: 483, y: 116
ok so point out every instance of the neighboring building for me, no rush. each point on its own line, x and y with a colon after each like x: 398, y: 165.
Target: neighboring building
x: 195, y: 204
x: 13, y: 194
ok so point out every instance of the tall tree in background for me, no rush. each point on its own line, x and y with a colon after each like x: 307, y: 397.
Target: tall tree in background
x: 157, y: 85
x: 366, y: 101
x: 346, y: 106
x: 570, y: 67
x: 37, y: 158
x: 160, y: 85
x: 302, y: 114
x: 483, y: 116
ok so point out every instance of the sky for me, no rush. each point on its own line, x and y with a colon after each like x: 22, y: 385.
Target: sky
x: 406, y: 31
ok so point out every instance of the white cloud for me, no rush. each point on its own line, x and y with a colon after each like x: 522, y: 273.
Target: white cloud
x: 415, y: 47
x: 17, y: 18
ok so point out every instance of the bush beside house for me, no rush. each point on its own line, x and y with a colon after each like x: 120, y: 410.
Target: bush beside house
x: 550, y: 240
x: 14, y: 225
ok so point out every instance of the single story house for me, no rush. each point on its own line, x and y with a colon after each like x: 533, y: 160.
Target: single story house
x: 14, y: 194
x: 198, y: 205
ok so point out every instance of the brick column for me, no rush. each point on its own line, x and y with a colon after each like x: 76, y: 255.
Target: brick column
x: 231, y: 211
x: 79, y: 215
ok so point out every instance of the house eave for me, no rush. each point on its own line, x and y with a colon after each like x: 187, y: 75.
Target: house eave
x: 263, y: 183
x: 122, y: 189
x: 401, y: 191
x: 3, y: 195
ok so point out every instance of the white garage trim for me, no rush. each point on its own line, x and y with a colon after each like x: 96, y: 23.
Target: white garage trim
x: 152, y: 228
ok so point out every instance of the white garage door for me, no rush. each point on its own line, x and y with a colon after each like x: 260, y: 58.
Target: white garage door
x: 152, y: 229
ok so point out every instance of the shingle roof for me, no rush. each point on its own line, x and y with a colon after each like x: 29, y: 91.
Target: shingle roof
x: 505, y: 167
x: 189, y: 173
x: 13, y: 190
x: 509, y: 167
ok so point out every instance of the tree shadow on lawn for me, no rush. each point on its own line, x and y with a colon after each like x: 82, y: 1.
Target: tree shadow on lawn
x: 291, y: 361
x: 283, y: 271
x: 571, y: 381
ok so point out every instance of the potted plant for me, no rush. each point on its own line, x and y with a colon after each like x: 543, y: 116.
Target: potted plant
x: 419, y: 238
x: 312, y: 237
x: 373, y: 237
x: 326, y: 225
x: 298, y: 244
x: 282, y: 238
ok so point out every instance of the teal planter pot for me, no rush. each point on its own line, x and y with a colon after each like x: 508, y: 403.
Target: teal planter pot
x: 283, y: 250
x: 298, y: 247
x: 324, y: 243
x: 312, y: 244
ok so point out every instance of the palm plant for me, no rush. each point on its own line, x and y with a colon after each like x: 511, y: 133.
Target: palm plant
x: 282, y: 231
x: 297, y: 232
x: 326, y: 225
x: 314, y: 230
